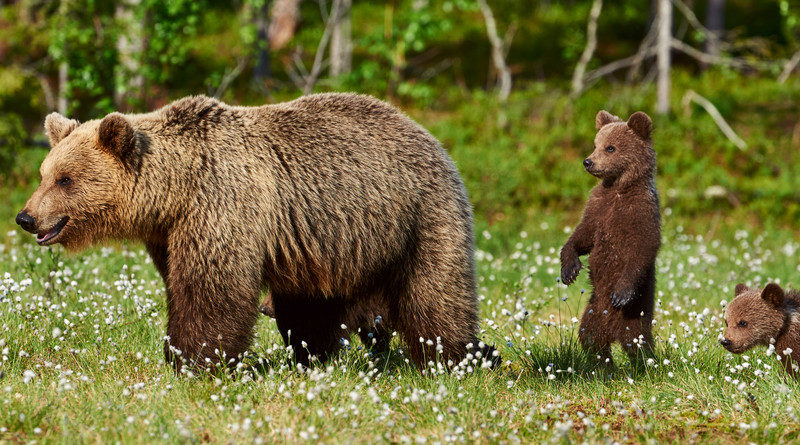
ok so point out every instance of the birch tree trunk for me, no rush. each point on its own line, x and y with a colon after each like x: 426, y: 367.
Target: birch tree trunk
x: 498, y: 52
x: 715, y: 23
x: 591, y: 44
x: 283, y: 22
x: 341, y: 40
x: 262, y: 69
x: 663, y: 46
x: 129, y: 46
x: 63, y: 79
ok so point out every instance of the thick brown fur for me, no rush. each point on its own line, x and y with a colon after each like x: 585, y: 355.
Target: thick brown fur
x: 759, y: 317
x: 621, y: 232
x: 345, y: 208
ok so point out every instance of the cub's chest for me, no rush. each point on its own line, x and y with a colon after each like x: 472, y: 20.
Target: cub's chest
x: 616, y: 218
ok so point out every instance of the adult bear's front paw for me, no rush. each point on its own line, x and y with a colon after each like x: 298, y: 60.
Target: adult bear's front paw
x: 620, y: 298
x: 570, y: 270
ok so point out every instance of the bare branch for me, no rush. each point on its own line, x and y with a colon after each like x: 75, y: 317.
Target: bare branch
x: 316, y: 68
x: 591, y: 45
x: 691, y: 17
x: 504, y: 74
x: 789, y: 67
x: 619, y: 64
x: 692, y: 96
x: 229, y: 77
x: 645, y: 50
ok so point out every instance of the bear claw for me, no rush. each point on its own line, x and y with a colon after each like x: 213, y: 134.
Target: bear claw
x: 570, y: 272
x: 621, y: 298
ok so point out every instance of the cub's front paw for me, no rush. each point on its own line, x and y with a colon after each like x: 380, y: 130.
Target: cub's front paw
x: 620, y: 298
x: 570, y: 271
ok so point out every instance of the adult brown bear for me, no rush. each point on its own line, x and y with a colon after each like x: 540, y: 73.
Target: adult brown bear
x: 347, y: 209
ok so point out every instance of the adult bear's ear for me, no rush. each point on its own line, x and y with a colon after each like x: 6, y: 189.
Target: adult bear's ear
x: 604, y: 118
x: 773, y: 294
x: 116, y: 136
x: 58, y: 127
x: 740, y: 288
x: 641, y: 124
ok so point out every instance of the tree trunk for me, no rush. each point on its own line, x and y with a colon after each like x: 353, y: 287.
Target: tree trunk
x: 498, y: 50
x: 663, y: 46
x: 63, y: 70
x: 591, y: 44
x: 262, y: 69
x: 341, y: 43
x: 283, y: 22
x: 129, y: 79
x: 715, y: 22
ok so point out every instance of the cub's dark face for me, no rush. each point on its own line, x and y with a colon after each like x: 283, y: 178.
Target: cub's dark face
x: 753, y: 318
x: 81, y: 183
x: 622, y: 150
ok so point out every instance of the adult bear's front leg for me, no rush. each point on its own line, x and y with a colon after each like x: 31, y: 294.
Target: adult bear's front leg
x: 212, y: 301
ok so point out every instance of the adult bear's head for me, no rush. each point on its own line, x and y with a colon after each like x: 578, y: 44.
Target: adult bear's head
x: 78, y: 201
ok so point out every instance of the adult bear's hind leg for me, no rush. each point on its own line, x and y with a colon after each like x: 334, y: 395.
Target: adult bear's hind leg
x: 437, y: 308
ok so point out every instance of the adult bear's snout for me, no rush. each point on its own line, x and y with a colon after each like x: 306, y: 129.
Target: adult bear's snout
x: 27, y: 222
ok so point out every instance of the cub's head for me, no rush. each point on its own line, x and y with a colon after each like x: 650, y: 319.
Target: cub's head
x: 82, y: 180
x: 753, y: 317
x: 623, y: 151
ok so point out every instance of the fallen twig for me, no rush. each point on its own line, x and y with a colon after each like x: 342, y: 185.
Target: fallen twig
x: 789, y: 67
x: 692, y: 96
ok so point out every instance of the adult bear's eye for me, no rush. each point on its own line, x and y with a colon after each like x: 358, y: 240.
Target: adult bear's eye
x: 742, y: 324
x: 64, y: 181
x: 611, y: 148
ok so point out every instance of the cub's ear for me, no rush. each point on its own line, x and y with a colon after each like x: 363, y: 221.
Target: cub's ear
x: 116, y: 135
x: 603, y: 118
x: 773, y: 294
x: 740, y: 288
x: 58, y: 127
x: 641, y: 124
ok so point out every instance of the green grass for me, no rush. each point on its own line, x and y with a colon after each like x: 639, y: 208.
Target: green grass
x: 81, y: 335
x: 82, y: 359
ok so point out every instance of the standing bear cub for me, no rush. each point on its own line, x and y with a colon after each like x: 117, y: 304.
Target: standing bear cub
x: 621, y: 232
x: 351, y: 213
x: 763, y: 317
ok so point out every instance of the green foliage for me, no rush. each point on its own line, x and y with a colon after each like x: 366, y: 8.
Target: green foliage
x: 170, y: 27
x: 84, y: 39
x: 790, y: 12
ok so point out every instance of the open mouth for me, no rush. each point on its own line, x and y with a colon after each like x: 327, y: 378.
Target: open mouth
x: 46, y: 238
x: 593, y: 171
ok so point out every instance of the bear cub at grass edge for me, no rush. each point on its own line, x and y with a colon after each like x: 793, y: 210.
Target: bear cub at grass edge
x: 352, y: 214
x: 765, y: 317
x: 621, y: 232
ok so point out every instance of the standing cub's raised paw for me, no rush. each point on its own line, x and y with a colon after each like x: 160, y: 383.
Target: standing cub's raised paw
x: 570, y: 271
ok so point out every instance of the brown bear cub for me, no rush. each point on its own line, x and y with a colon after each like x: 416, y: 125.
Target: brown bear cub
x: 621, y: 232
x: 765, y: 317
x: 351, y: 213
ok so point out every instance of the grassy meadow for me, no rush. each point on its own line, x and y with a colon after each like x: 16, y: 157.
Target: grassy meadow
x: 81, y: 335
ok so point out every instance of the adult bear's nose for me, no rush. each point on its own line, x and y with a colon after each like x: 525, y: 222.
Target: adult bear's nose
x: 26, y: 221
x: 725, y: 342
x: 587, y: 163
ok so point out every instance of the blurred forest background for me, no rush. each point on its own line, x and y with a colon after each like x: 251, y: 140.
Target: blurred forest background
x: 511, y: 87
